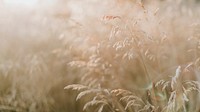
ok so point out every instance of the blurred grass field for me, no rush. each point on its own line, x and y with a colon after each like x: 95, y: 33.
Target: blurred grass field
x: 109, y: 49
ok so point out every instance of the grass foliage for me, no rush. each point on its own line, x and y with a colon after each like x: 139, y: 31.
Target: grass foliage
x: 108, y: 55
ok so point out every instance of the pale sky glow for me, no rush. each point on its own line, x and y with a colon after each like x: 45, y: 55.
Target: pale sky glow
x: 29, y: 3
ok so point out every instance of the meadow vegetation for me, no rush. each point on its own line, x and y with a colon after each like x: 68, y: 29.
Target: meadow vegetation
x: 101, y: 56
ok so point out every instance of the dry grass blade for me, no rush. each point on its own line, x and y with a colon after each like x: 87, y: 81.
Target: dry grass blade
x: 94, y: 102
x: 192, y: 86
x: 171, y: 105
x: 83, y: 93
x: 147, y: 107
x: 185, y: 98
x: 101, y: 108
x: 132, y: 103
x: 76, y: 87
x: 118, y: 92
x: 175, y: 78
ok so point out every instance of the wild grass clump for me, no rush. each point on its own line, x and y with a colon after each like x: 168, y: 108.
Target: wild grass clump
x: 139, y: 57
